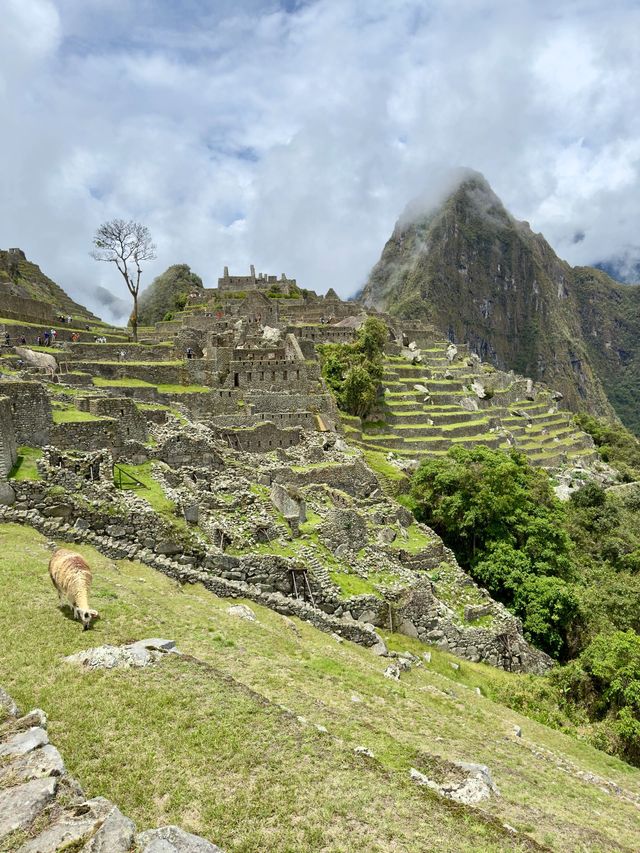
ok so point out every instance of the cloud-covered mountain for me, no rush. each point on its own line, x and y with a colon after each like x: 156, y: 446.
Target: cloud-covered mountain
x: 464, y: 263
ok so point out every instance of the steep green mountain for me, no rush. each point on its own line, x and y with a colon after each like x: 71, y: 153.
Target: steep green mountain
x: 610, y: 321
x: 485, y: 279
x: 24, y: 279
x: 167, y: 293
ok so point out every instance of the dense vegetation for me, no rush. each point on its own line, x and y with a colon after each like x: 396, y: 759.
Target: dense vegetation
x: 354, y: 371
x: 615, y: 444
x: 570, y: 571
x: 167, y: 293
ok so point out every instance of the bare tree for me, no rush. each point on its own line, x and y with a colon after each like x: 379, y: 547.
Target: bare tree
x: 127, y: 245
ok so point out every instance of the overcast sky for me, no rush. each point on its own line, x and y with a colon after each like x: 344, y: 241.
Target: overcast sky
x: 291, y: 134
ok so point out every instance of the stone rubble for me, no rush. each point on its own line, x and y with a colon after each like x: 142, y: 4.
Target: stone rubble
x: 139, y: 654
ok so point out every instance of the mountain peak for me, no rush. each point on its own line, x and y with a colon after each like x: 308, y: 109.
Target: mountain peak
x: 459, y: 260
x: 451, y: 187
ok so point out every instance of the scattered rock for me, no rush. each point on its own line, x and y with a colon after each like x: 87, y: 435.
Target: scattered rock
x: 242, y: 612
x: 392, y: 671
x: 7, y: 705
x: 468, y: 783
x: 363, y: 750
x: 69, y: 828
x: 34, y: 719
x: 454, y: 665
x: 139, y: 654
x: 517, y: 731
x: 24, y: 742
x: 172, y: 839
x: 407, y: 628
x: 114, y: 836
x: 37, y: 764
x: 21, y: 805
x: 478, y: 389
x: 426, y: 657
x: 380, y: 648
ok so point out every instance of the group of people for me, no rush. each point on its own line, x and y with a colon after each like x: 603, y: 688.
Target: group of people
x: 7, y: 340
x: 64, y: 318
x: 47, y: 338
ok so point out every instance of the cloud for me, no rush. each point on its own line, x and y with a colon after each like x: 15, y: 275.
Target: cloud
x: 292, y: 135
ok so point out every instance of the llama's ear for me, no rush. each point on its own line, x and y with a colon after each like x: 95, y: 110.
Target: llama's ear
x: 94, y: 613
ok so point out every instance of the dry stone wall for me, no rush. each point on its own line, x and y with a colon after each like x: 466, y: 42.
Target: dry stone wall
x: 30, y: 412
x: 8, y: 447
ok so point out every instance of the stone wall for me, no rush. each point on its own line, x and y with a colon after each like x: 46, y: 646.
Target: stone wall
x: 85, y: 435
x: 235, y: 283
x: 8, y: 446
x: 30, y: 412
x: 323, y: 333
x: 261, y: 438
x: 31, y: 310
x: 131, y: 422
x: 267, y: 373
x: 354, y: 479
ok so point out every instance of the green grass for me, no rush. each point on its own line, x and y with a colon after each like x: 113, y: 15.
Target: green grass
x: 152, y: 491
x: 152, y: 407
x: 69, y: 414
x: 25, y: 467
x: 204, y: 741
x: 415, y: 542
x: 183, y: 389
x: 101, y: 382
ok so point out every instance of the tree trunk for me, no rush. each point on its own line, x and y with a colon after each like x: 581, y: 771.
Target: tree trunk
x: 134, y: 318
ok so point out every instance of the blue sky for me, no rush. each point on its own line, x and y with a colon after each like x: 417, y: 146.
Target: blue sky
x: 292, y: 134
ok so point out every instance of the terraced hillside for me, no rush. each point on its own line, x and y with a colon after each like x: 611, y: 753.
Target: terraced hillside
x: 443, y: 400
x: 21, y: 279
x: 271, y: 735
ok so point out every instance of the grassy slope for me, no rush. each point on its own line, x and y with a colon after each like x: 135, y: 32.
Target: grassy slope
x: 205, y: 745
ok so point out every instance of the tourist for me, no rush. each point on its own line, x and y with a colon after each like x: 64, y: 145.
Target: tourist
x: 7, y: 339
x: 23, y: 340
x: 189, y: 352
x: 46, y: 339
x: 39, y: 341
x: 121, y: 355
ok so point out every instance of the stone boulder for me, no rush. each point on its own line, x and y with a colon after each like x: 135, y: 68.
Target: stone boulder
x: 140, y: 654
x: 41, y: 360
x: 241, y: 611
x: 172, y: 839
x: 21, y: 805
x: 344, y: 527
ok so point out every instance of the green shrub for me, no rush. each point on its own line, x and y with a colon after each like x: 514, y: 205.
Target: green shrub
x: 354, y: 371
x: 605, y: 680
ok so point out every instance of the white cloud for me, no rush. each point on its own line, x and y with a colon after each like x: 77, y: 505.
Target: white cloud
x: 242, y: 132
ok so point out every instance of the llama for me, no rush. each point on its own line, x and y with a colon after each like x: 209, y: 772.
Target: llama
x: 71, y: 576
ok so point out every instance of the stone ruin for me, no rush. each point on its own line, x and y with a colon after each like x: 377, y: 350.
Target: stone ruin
x: 267, y: 494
